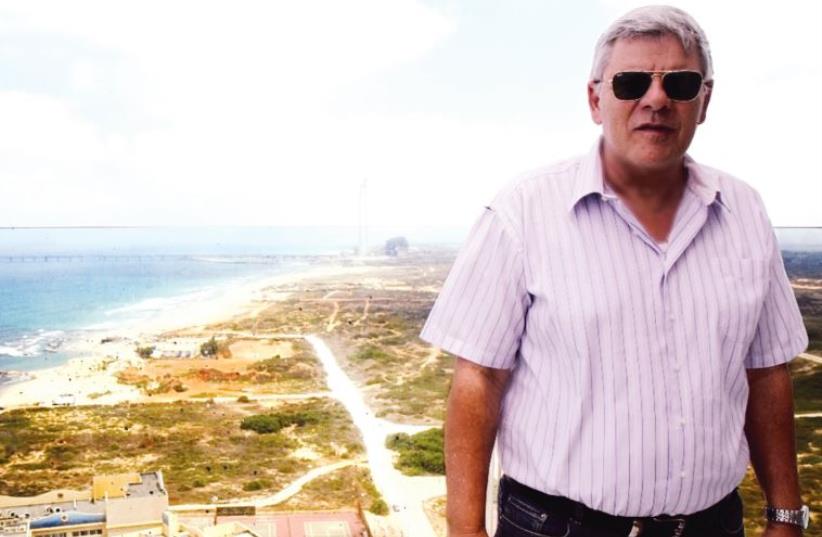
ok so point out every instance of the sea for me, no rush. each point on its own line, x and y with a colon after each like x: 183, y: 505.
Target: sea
x: 57, y: 284
x: 61, y: 284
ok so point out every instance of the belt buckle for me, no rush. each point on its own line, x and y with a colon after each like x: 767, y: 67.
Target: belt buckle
x: 679, y: 521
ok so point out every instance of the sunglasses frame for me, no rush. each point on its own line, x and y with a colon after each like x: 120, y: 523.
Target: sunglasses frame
x: 661, y: 75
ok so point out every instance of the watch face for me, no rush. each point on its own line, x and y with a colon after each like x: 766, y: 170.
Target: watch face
x: 806, y: 516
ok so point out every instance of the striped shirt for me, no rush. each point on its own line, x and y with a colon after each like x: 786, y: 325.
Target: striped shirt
x: 628, y: 390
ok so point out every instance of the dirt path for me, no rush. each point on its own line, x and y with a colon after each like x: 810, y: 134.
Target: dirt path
x: 287, y: 492
x: 405, y: 495
x: 364, y: 313
x: 811, y: 357
x: 332, y: 319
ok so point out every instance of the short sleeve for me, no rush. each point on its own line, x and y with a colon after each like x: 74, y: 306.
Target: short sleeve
x: 480, y: 312
x: 780, y: 333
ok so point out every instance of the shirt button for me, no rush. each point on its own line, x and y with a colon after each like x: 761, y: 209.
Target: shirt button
x: 682, y: 475
x: 682, y: 423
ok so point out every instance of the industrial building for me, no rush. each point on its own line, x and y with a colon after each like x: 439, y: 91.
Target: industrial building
x: 122, y: 505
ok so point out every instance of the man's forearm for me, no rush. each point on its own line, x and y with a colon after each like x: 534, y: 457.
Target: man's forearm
x: 470, y: 429
x: 769, y: 427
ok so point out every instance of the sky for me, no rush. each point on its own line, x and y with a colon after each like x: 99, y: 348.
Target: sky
x: 276, y: 113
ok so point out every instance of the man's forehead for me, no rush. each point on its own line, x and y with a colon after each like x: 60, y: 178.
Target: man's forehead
x: 651, y: 52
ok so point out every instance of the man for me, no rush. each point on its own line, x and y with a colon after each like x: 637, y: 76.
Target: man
x: 623, y: 322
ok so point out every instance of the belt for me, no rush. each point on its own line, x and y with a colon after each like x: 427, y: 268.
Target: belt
x: 581, y: 514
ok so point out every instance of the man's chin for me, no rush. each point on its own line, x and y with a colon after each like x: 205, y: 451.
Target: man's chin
x: 657, y: 160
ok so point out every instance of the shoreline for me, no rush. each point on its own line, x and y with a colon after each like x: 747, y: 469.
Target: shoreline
x: 90, y: 375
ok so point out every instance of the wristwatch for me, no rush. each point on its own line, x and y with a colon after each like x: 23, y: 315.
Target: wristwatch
x: 797, y: 517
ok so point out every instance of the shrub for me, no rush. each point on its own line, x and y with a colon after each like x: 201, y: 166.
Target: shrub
x: 257, y: 484
x: 372, y: 352
x: 421, y: 453
x: 209, y: 348
x: 272, y: 423
x: 379, y: 507
x: 145, y: 352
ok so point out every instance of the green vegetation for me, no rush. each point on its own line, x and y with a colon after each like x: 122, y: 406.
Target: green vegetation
x: 151, y: 386
x: 350, y: 486
x: 379, y: 507
x: 200, y: 446
x: 299, y: 372
x: 257, y: 484
x: 375, y: 353
x: 420, y: 395
x: 272, y: 423
x: 210, y: 347
x: 144, y: 352
x: 420, y: 454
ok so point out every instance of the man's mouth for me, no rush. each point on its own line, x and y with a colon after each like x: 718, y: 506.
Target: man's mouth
x: 657, y: 128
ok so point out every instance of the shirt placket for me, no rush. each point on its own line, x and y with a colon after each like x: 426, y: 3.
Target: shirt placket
x: 673, y: 350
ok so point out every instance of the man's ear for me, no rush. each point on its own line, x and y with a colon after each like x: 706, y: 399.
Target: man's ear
x: 709, y: 88
x: 593, y: 102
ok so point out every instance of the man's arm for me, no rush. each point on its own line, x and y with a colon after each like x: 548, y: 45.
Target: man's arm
x: 470, y: 430
x: 769, y: 428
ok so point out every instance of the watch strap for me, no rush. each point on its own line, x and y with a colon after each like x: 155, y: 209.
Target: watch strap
x: 795, y: 517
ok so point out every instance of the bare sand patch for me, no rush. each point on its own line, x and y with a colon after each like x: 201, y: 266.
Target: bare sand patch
x: 260, y: 349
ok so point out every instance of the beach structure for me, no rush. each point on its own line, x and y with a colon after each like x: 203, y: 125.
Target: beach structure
x: 187, y: 347
x: 120, y: 505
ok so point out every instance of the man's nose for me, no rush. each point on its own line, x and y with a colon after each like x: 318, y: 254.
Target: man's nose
x: 656, y: 98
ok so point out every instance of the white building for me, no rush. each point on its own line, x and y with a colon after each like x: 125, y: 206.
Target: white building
x: 122, y: 505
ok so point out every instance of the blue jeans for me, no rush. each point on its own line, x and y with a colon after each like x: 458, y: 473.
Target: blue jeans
x: 524, y: 515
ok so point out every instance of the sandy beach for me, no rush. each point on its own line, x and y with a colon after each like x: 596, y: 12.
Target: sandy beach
x: 90, y: 377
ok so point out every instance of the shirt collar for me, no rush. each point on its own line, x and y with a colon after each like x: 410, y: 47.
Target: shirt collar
x: 589, y: 178
x: 703, y: 182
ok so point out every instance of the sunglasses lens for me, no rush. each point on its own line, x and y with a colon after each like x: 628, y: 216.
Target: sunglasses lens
x: 630, y: 85
x: 682, y: 85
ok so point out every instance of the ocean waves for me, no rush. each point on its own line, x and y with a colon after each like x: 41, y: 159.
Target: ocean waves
x: 33, y: 344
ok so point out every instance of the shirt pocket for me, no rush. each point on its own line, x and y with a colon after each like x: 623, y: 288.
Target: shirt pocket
x: 742, y: 285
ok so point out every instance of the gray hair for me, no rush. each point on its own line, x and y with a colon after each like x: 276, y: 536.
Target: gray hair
x: 654, y: 21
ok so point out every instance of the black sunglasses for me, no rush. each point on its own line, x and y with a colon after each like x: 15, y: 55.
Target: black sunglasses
x: 678, y: 85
